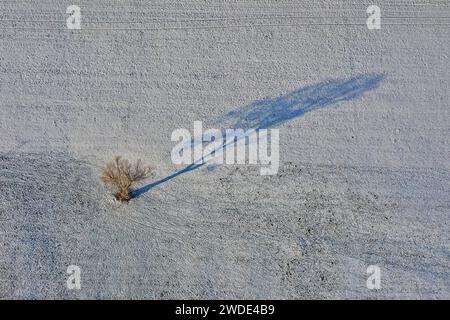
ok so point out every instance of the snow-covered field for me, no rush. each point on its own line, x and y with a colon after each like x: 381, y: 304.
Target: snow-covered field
x: 364, y: 121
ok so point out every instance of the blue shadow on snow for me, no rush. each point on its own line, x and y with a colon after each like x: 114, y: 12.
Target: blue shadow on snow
x: 270, y: 112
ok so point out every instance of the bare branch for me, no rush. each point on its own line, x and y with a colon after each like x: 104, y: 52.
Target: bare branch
x: 120, y: 175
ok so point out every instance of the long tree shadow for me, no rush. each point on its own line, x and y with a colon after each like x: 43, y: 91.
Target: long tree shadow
x: 270, y: 112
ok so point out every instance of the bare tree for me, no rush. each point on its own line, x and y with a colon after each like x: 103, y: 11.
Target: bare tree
x: 120, y: 175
